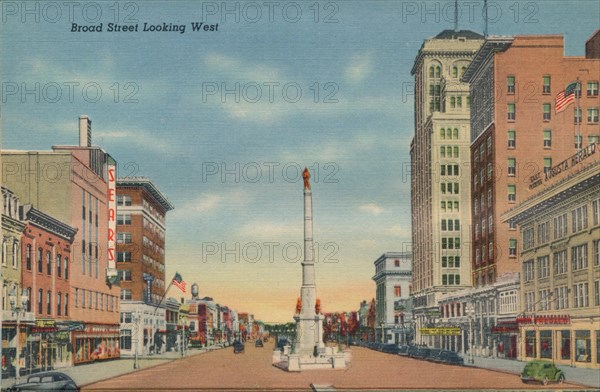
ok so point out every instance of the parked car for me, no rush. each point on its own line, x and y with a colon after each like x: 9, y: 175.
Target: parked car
x: 389, y: 348
x: 47, y: 381
x: 542, y: 371
x: 433, y: 354
x: 413, y: 351
x: 282, y: 342
x: 258, y: 343
x: 450, y: 357
x: 238, y: 347
x: 403, y: 350
x: 423, y: 353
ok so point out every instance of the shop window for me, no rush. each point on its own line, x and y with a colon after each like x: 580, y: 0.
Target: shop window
x: 565, y: 347
x: 530, y: 344
x: 546, y: 344
x: 583, y: 348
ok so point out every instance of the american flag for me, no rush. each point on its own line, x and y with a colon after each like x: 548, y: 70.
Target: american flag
x: 179, y: 282
x: 565, y: 97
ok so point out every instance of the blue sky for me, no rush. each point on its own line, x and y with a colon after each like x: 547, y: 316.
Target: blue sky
x: 158, y: 116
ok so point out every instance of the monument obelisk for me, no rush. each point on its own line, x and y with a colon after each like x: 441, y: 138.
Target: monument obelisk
x: 309, y: 334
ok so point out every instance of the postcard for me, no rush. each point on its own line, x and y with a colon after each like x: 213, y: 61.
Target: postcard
x: 300, y: 195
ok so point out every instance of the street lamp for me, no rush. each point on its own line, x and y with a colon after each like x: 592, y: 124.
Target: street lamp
x: 470, y: 314
x: 18, y: 309
x: 135, y: 317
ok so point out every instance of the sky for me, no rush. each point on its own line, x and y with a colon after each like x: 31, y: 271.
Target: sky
x: 223, y: 121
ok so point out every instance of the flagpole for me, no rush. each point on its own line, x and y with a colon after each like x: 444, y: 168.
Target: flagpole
x: 163, y: 297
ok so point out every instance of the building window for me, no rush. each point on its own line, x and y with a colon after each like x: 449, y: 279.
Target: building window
x: 530, y: 344
x: 39, y: 260
x: 125, y: 275
x: 49, y: 302
x: 512, y: 167
x: 512, y: 142
x: 28, y: 257
x: 593, y: 139
x: 547, y: 138
x: 543, y: 267
x: 547, y: 164
x: 580, y: 295
x: 596, y: 254
x: 123, y: 257
x: 565, y: 347
x: 546, y: 107
x: 580, y: 218
x: 455, y: 71
x: 560, y: 262
x: 579, y: 258
x: 125, y: 339
x: 123, y: 200
x: 49, y: 263
x: 59, y: 303
x: 528, y: 270
x: 511, y: 112
x: 583, y: 349
x: 592, y: 115
x: 396, y: 263
x: 512, y: 247
x: 512, y: 193
x: 123, y: 219
x: 561, y: 300
x: 510, y: 84
x: 66, y: 304
x: 560, y: 226
x: 577, y: 115
x: 544, y: 300
x: 578, y: 141
x: 597, y: 293
x: 125, y: 294
x: 123, y: 238
x: 546, y: 88
x: 66, y: 268
x: 40, y: 301
x: 592, y: 89
x: 397, y: 291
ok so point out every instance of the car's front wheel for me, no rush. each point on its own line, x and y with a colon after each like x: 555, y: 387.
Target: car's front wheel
x: 545, y: 381
x: 561, y: 378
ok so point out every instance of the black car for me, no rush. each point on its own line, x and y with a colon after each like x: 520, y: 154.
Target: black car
x: 422, y: 353
x: 449, y: 357
x: 389, y: 348
x: 403, y: 350
x: 413, y: 351
x: 47, y: 381
x: 238, y: 347
x: 258, y: 343
x: 282, y: 342
x: 433, y: 354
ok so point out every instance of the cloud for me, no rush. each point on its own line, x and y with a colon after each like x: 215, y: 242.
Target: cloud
x: 359, y: 68
x: 141, y: 139
x: 399, y: 231
x: 371, y: 208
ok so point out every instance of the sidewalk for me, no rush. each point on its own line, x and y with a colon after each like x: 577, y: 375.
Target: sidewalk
x: 97, y: 371
x: 587, y: 377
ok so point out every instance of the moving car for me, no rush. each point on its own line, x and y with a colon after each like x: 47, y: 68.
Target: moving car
x: 433, y: 354
x: 238, y: 347
x: 403, y: 350
x: 258, y: 343
x: 542, y: 371
x: 47, y: 381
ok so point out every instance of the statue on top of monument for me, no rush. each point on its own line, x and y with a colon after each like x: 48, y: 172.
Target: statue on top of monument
x: 306, y: 177
x: 298, y: 306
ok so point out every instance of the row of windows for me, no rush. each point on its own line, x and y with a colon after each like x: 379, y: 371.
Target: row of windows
x: 62, y: 265
x: 562, y: 297
x: 450, y: 279
x: 449, y: 170
x: 449, y: 134
x: 560, y: 225
x: 451, y: 187
x: 449, y: 152
x: 95, y: 300
x: 592, y: 86
x: 479, y: 203
x: 449, y: 205
x: 15, y: 251
x: 450, y: 224
x: 560, y: 262
x: 483, y: 251
x: 592, y: 113
x: 435, y: 71
x: 450, y: 261
x: 62, y: 302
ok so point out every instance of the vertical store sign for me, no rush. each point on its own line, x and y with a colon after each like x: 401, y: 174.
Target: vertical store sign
x: 111, y: 272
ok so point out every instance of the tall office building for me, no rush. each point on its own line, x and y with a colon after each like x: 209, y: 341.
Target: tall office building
x: 440, y: 178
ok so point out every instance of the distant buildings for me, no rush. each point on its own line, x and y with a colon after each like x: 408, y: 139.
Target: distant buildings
x: 393, y: 279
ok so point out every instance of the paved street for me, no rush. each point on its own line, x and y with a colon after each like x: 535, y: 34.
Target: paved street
x: 222, y: 369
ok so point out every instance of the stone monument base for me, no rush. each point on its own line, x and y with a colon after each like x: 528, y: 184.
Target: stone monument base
x: 327, y: 358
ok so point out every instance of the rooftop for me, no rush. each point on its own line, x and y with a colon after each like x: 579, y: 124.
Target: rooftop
x: 145, y: 183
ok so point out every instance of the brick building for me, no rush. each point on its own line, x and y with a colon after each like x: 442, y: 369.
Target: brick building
x: 140, y: 254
